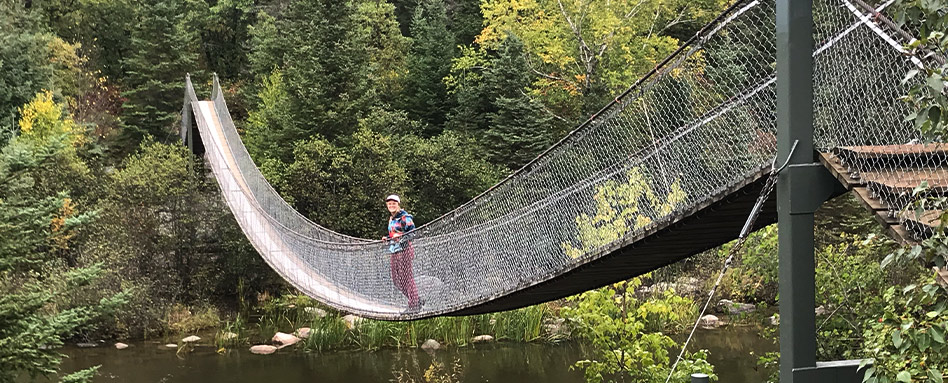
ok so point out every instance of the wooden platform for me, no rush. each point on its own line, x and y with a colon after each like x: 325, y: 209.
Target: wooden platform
x: 884, y: 179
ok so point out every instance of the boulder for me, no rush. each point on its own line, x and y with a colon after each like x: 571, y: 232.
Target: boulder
x: 121, y: 346
x: 284, y: 339
x: 555, y: 328
x: 352, y: 321
x: 304, y: 332
x: 709, y: 321
x: 316, y: 312
x: 227, y: 335
x: 171, y: 345
x: 735, y: 308
x: 482, y: 339
x: 430, y: 345
x: 263, y: 349
x: 191, y: 339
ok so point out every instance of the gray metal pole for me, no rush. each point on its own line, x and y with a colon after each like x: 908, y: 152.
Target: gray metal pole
x: 795, y: 217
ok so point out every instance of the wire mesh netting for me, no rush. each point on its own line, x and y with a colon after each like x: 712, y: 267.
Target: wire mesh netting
x: 698, y: 127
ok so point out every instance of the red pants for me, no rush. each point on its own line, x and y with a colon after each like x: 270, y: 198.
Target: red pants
x: 403, y: 276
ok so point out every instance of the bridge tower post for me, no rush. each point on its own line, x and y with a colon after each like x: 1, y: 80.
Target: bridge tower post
x: 801, y: 188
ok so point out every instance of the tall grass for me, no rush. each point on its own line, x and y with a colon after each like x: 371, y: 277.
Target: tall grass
x: 288, y: 313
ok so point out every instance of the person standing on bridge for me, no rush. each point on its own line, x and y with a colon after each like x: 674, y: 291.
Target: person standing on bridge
x: 399, y: 224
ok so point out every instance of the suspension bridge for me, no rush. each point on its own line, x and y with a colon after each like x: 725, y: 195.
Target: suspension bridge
x: 670, y: 168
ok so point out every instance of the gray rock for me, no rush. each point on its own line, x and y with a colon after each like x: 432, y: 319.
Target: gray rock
x: 709, y: 322
x: 121, y: 346
x: 191, y: 339
x: 734, y: 308
x: 430, y: 345
x: 171, y: 345
x: 263, y: 349
x: 482, y: 339
x: 430, y: 288
x: 86, y: 345
x: 284, y: 339
x: 304, y: 332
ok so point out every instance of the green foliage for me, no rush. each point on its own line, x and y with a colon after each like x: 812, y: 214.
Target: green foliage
x: 272, y: 126
x: 25, y: 68
x: 927, y: 95
x: 429, y: 62
x: 48, y: 291
x: 326, y: 66
x: 494, y: 105
x: 163, y: 49
x: 907, y: 341
x: 181, y: 319
x: 616, y: 325
x: 386, y: 47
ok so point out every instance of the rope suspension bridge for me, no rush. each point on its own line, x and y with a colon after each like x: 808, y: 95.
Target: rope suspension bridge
x: 671, y: 168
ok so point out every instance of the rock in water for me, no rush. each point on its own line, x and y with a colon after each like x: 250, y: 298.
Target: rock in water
x: 352, y: 321
x: 86, y: 345
x: 709, y: 321
x: 121, y: 346
x: 171, y: 345
x: 430, y: 345
x: 191, y: 339
x: 263, y: 349
x: 304, y: 332
x: 482, y: 338
x: 285, y: 339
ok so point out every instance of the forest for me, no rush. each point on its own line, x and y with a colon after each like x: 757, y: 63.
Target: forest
x: 111, y: 229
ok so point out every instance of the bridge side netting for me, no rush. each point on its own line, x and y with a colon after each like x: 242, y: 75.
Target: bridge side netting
x: 699, y: 127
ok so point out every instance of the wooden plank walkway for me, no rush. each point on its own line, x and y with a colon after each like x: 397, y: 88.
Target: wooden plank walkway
x: 883, y: 179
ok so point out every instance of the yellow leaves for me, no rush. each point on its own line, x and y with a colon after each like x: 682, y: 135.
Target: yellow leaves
x: 623, y: 208
x: 43, y: 119
x: 60, y: 235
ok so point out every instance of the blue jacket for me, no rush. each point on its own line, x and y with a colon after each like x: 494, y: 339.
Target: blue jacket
x: 398, y: 225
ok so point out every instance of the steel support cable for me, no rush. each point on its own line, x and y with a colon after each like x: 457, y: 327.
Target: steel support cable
x: 768, y: 188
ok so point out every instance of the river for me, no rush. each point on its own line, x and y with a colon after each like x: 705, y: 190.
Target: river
x: 499, y: 362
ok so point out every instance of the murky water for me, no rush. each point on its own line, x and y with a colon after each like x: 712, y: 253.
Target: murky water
x: 501, y: 363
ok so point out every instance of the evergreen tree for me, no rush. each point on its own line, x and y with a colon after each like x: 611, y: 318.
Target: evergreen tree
x: 162, y: 51
x: 495, y: 108
x: 518, y: 128
x: 327, y: 66
x: 385, y: 46
x: 426, y: 96
x: 271, y: 128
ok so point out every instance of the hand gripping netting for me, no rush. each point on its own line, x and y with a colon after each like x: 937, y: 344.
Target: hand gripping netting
x: 700, y: 125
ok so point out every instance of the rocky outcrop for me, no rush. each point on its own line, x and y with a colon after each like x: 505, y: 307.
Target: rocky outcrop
x: 191, y: 339
x: 284, y: 339
x: 263, y: 349
x: 734, y: 308
x: 430, y: 345
x: 121, y: 346
x: 482, y: 339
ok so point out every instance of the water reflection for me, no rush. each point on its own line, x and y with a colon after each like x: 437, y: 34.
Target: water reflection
x: 500, y: 363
